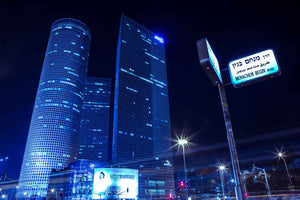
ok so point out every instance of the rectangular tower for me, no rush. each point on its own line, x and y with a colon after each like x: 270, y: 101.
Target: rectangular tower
x: 94, y: 133
x: 141, y: 126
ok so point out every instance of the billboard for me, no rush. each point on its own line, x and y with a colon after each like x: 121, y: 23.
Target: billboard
x: 253, y: 68
x: 209, y: 61
x: 115, y: 183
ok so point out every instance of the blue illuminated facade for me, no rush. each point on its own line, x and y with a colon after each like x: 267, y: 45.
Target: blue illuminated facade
x: 75, y: 182
x: 80, y: 180
x: 94, y: 133
x: 55, y: 123
x: 141, y: 125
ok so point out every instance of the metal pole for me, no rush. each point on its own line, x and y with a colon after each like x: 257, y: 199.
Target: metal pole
x: 244, y: 182
x: 245, y: 187
x: 222, y: 182
x: 267, y: 183
x: 231, y: 143
x: 287, y: 171
x: 266, y: 179
x: 184, y: 168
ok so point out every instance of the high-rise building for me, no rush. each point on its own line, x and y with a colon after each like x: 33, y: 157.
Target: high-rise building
x: 141, y: 125
x: 94, y: 133
x: 55, y: 123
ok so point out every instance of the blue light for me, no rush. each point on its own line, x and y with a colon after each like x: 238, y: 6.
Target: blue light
x: 160, y: 39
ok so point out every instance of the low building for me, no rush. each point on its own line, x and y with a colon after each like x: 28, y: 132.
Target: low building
x: 87, y: 180
x: 8, y: 189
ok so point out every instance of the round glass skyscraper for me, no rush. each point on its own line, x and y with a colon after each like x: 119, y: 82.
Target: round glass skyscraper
x: 55, y: 122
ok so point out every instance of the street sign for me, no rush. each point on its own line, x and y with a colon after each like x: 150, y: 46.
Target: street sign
x: 254, y: 68
x: 209, y: 61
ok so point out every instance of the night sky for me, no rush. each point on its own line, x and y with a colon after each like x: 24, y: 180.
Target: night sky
x: 264, y: 115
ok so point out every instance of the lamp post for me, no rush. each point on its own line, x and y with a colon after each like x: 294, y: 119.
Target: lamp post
x: 222, y: 168
x: 281, y: 155
x: 183, y: 142
x: 266, y: 179
x: 54, y: 191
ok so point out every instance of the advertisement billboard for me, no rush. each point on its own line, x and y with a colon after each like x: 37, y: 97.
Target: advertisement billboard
x: 253, y: 68
x: 115, y: 183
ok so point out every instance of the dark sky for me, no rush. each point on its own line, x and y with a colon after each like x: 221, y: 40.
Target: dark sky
x: 264, y: 114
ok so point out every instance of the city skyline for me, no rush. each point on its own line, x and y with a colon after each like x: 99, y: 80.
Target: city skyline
x: 232, y: 34
x: 141, y: 114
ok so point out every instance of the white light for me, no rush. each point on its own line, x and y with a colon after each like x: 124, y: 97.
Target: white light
x: 280, y: 154
x: 182, y: 141
x: 160, y: 39
x: 3, y: 196
x: 52, y: 190
x: 221, y: 167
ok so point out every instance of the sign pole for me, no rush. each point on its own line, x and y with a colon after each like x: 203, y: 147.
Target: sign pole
x: 233, y: 153
x: 244, y: 71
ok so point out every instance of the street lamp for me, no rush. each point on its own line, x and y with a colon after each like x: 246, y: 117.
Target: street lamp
x: 221, y: 169
x: 266, y: 179
x: 53, y: 191
x: 182, y: 142
x: 281, y: 155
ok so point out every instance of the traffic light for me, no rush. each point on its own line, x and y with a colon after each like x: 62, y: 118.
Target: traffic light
x: 245, y: 194
x: 61, y: 193
x: 181, y: 184
x: 170, y: 196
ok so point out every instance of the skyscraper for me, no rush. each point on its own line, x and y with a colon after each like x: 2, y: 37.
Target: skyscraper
x: 141, y: 126
x: 55, y: 122
x: 94, y: 133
